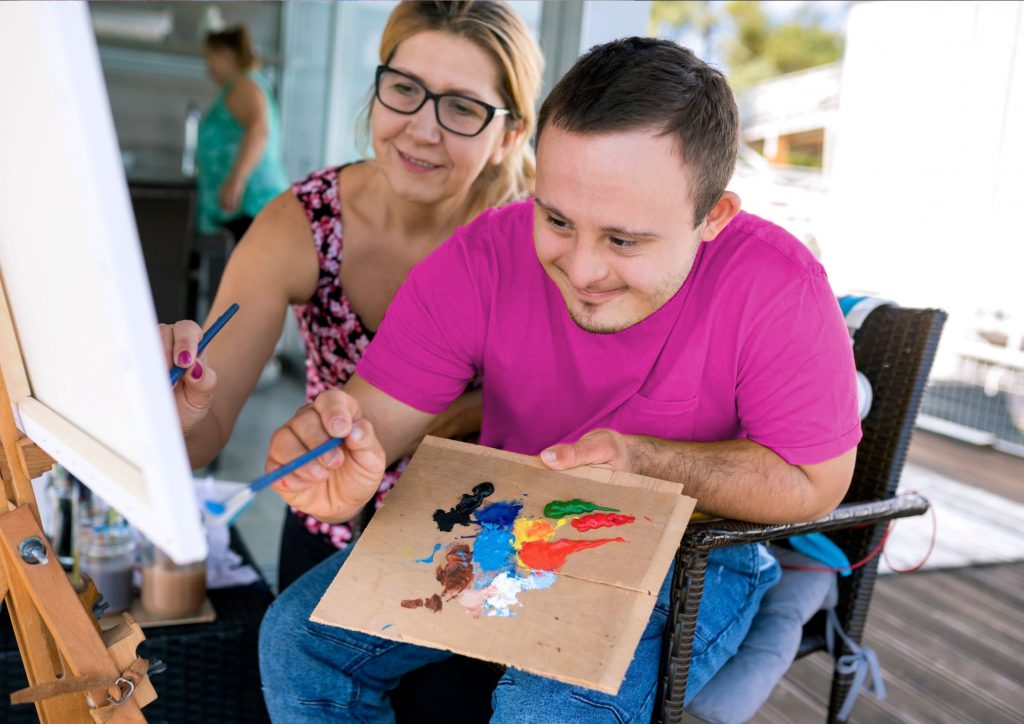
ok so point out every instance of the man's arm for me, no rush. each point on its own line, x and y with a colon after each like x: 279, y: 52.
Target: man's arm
x: 733, y: 479
x: 377, y: 429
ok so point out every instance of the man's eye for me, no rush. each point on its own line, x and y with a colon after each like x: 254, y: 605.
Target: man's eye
x: 557, y: 223
x: 622, y: 243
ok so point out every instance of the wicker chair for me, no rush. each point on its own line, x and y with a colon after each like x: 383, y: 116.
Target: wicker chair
x: 894, y: 348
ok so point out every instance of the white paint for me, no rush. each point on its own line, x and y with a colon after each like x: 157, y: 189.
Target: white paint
x: 505, y: 590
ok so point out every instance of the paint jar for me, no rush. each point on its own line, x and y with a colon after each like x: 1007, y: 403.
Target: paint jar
x: 170, y: 590
x: 108, y: 557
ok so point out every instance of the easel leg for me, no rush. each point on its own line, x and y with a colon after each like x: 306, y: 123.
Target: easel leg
x: 53, y: 608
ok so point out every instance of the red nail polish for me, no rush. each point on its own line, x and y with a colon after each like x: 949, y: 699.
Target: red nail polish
x: 197, y: 371
x: 184, y: 358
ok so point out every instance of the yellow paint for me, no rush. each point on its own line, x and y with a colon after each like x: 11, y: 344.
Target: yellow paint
x: 526, y: 530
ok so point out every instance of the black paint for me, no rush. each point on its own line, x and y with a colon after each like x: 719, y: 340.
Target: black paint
x: 459, y: 515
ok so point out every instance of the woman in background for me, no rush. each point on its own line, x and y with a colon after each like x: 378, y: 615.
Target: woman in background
x: 450, y: 120
x: 238, y: 154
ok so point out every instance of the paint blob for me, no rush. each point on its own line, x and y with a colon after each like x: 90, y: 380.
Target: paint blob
x: 456, y: 573
x: 430, y: 558
x: 562, y: 508
x: 601, y: 520
x: 527, y: 529
x: 459, y: 515
x: 550, y: 556
x: 510, y: 554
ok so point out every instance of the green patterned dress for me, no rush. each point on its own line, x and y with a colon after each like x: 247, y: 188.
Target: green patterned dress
x: 220, y: 138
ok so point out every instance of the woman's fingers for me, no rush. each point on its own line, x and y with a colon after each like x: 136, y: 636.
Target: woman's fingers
x: 197, y: 385
x: 186, y: 335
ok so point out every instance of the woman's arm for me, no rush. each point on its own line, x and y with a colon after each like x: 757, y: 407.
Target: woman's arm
x: 274, y: 266
x: 248, y: 105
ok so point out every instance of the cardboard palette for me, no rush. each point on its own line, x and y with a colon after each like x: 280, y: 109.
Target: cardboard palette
x: 581, y: 630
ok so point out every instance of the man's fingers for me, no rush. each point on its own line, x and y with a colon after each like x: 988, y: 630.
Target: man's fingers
x: 592, y: 449
x: 286, y: 444
x: 337, y: 411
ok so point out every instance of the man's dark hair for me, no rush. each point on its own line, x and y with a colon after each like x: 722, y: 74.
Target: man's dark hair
x: 636, y: 83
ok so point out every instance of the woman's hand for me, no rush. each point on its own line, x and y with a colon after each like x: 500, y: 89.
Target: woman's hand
x: 194, y: 392
x: 230, y: 195
x: 335, y: 486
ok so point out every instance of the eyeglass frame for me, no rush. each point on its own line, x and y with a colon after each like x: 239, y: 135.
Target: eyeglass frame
x: 429, y: 95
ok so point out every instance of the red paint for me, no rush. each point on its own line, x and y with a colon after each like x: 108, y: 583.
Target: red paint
x: 544, y: 556
x: 601, y: 520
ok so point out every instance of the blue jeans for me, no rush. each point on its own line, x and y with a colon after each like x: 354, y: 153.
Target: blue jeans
x: 317, y: 673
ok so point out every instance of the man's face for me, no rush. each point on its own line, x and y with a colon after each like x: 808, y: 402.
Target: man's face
x: 613, y: 224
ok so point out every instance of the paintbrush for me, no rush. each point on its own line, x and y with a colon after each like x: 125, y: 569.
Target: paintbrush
x: 177, y: 372
x: 223, y: 512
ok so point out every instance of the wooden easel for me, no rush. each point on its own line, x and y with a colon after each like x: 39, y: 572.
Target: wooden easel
x: 60, y: 640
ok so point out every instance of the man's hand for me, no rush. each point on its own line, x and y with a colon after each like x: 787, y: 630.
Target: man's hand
x: 600, y: 448
x: 335, y: 486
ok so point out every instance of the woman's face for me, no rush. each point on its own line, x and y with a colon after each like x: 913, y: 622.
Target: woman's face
x: 221, y: 64
x: 423, y: 162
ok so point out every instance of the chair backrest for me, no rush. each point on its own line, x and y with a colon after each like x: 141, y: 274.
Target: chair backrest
x: 894, y: 348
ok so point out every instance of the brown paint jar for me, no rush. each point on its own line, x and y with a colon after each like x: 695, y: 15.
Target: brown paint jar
x: 170, y: 590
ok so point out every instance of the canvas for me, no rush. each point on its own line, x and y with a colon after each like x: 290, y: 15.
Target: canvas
x: 79, y: 345
x: 491, y: 555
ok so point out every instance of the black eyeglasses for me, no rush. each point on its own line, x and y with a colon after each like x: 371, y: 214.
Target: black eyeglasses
x: 456, y: 113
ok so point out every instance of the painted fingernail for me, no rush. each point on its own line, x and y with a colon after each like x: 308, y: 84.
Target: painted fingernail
x: 336, y: 427
x: 197, y: 371
x: 358, y: 433
x: 548, y: 456
x: 184, y: 358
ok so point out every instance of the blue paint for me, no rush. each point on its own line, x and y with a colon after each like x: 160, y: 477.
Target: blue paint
x: 430, y: 558
x: 386, y: 626
x: 500, y: 515
x: 493, y: 551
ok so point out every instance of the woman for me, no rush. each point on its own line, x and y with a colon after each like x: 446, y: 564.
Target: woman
x: 450, y: 120
x: 239, y: 148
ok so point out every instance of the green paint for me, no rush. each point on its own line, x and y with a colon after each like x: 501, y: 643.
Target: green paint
x: 562, y: 508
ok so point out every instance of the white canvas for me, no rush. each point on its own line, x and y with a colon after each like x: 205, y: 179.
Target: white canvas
x: 80, y: 350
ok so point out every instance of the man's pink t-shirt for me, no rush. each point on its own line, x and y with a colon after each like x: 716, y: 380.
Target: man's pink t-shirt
x: 752, y: 346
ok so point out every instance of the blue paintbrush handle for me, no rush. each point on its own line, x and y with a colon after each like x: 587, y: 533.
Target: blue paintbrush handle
x: 177, y: 372
x: 274, y: 475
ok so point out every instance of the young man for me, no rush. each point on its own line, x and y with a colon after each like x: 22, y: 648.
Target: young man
x: 629, y: 316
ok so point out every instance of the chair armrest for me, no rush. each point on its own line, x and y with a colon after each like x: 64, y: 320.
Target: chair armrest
x: 712, y: 534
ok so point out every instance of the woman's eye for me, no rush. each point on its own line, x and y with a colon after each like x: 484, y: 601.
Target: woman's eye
x: 406, y: 89
x: 557, y: 223
x: 467, y: 109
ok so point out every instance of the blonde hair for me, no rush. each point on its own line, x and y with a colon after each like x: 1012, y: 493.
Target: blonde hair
x: 499, y: 31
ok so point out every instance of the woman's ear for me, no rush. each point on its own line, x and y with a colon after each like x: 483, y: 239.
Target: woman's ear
x: 721, y: 214
x: 506, y: 142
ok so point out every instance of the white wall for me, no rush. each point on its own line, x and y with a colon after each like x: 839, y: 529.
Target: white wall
x: 928, y: 176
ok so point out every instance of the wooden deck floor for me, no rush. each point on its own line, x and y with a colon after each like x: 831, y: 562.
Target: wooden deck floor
x: 951, y: 642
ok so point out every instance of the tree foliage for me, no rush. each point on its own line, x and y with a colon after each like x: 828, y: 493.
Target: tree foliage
x: 754, y: 45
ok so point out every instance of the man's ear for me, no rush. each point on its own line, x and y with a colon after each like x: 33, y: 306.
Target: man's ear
x: 508, y: 139
x: 720, y: 215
